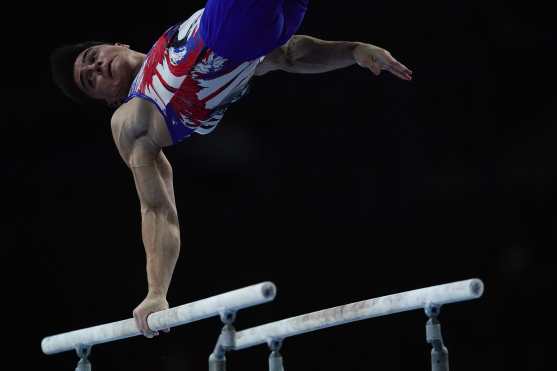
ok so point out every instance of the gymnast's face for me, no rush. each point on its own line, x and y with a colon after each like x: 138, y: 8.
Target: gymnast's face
x: 105, y: 72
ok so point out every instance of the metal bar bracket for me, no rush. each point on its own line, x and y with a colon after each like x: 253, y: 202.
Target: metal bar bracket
x: 83, y: 353
x: 434, y: 336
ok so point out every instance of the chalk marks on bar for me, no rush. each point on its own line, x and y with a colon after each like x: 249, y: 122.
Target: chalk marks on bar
x: 382, y: 306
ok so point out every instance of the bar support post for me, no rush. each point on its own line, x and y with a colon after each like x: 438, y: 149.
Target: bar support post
x: 225, y: 342
x: 275, y: 358
x: 83, y: 353
x: 439, y: 352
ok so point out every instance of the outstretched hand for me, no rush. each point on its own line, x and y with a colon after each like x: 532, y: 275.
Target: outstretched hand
x: 151, y: 304
x: 377, y: 59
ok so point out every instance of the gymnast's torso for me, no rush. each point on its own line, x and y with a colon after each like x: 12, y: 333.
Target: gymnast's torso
x: 189, y: 85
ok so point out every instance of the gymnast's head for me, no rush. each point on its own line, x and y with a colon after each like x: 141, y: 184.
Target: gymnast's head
x: 95, y: 71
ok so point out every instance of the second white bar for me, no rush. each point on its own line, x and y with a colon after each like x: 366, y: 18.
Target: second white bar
x: 382, y: 306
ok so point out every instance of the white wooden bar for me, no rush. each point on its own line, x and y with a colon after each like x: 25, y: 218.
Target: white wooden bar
x: 187, y: 313
x: 382, y: 306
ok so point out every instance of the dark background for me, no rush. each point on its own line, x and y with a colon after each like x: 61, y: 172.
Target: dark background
x: 337, y: 187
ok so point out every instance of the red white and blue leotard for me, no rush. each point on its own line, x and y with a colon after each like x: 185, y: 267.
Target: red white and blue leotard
x: 190, y: 85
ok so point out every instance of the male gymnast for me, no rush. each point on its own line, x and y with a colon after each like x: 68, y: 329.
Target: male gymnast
x: 184, y: 85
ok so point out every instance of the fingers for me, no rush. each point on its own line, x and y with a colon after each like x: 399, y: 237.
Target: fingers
x: 395, y: 67
x: 150, y: 334
x: 397, y: 70
x: 400, y: 70
x: 141, y: 314
x: 402, y: 73
x: 142, y: 325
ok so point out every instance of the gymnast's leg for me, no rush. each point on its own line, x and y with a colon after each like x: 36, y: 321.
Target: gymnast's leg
x: 242, y: 30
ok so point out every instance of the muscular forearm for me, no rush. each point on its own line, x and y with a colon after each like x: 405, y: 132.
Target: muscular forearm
x: 161, y: 237
x: 306, y: 54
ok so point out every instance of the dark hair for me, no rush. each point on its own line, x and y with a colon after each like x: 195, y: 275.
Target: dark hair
x: 62, y: 62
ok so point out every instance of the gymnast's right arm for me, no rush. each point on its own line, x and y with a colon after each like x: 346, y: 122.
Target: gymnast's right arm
x: 152, y: 175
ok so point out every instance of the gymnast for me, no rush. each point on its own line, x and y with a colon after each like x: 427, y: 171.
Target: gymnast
x: 184, y: 85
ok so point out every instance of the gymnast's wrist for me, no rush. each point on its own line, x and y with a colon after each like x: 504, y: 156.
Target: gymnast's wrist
x: 356, y: 48
x: 156, y: 293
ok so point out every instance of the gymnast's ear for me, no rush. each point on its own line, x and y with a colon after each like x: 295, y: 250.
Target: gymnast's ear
x: 123, y: 45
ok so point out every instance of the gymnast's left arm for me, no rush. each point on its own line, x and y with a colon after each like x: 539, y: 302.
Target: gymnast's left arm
x: 306, y: 54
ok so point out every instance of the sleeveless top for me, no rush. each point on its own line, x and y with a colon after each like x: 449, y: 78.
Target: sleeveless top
x: 190, y: 85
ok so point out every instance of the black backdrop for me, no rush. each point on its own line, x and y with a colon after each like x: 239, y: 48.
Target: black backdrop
x: 338, y: 187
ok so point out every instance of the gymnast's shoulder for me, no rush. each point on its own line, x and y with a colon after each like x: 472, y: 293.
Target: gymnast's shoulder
x: 138, y: 120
